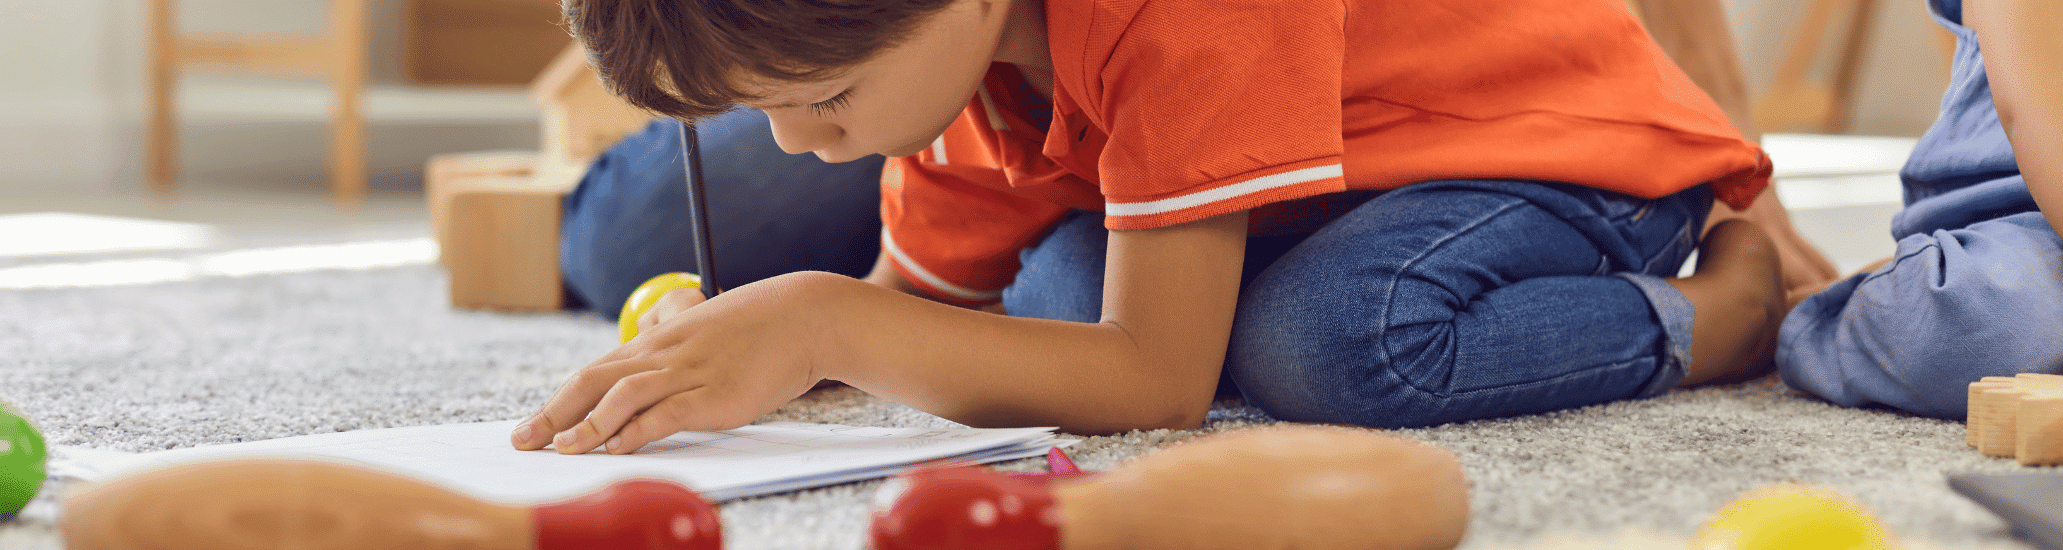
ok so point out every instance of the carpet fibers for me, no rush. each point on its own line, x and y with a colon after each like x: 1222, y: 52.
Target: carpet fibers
x: 225, y: 360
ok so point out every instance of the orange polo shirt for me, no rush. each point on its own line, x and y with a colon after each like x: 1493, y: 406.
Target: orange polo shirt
x: 1170, y: 112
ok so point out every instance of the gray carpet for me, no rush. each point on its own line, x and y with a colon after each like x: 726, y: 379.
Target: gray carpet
x: 239, y: 359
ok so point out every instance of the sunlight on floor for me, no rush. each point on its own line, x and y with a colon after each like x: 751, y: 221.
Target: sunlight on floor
x: 64, y: 233
x: 260, y: 261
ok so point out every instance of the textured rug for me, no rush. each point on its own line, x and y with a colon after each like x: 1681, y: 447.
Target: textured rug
x: 229, y: 359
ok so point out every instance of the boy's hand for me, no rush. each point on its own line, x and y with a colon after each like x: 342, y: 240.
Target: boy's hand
x: 713, y: 366
x: 669, y: 304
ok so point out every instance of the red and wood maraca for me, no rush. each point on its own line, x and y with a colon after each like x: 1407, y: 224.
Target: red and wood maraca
x: 270, y: 504
x: 1305, y: 487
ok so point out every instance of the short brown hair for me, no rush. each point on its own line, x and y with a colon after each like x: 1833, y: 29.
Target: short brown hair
x: 679, y: 57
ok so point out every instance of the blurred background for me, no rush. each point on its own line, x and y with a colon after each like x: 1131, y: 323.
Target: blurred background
x: 448, y: 76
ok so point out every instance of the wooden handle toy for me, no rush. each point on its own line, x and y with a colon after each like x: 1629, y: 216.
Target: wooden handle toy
x: 310, y: 505
x: 1304, y: 487
x: 648, y: 294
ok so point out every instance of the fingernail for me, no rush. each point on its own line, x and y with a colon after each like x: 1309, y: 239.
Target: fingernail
x: 523, y: 433
x: 616, y: 444
x: 564, y: 439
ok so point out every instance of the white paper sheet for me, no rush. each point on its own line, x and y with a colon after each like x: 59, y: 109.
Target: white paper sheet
x: 749, y: 461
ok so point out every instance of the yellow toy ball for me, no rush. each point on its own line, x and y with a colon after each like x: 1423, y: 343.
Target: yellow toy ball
x: 647, y: 294
x: 1793, y: 516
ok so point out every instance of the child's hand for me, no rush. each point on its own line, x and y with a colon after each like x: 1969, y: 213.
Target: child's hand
x: 713, y: 366
x: 670, y: 304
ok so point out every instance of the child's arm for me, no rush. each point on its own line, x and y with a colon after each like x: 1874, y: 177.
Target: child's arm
x: 886, y: 276
x: 1152, y: 363
x: 678, y: 300
x: 2023, y: 59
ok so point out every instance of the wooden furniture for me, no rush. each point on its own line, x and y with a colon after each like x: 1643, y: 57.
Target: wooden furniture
x: 339, y: 56
x: 2018, y: 417
x: 1798, y: 102
x: 445, y: 42
x: 496, y: 214
x: 479, y: 42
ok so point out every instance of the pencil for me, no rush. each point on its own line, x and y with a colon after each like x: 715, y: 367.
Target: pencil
x: 698, y: 209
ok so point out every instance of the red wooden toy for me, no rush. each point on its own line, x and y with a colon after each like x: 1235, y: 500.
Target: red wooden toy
x: 1304, y: 487
x: 271, y: 504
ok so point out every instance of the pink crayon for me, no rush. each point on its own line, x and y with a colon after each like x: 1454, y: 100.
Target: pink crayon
x: 270, y: 504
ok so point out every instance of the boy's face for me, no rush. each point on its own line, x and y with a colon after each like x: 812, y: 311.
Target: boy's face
x: 898, y: 103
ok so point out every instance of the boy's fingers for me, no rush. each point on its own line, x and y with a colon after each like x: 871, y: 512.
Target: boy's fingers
x: 669, y: 305
x: 626, y: 399
x: 571, y: 403
x: 645, y: 322
x: 672, y: 415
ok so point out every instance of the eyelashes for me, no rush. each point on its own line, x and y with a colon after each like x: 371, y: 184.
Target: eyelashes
x: 831, y: 106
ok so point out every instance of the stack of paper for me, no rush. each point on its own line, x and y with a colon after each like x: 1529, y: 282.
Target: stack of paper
x: 749, y: 461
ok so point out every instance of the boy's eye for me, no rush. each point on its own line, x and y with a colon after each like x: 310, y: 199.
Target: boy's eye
x: 829, y: 106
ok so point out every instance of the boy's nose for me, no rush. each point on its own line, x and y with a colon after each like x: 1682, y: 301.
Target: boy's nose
x: 797, y: 136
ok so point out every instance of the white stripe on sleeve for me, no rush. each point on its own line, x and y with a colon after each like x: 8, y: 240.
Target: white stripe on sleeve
x: 1208, y: 196
x: 928, y: 278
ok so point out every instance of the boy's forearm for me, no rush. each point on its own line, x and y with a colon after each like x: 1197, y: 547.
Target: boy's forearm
x: 988, y: 370
x: 2023, y: 59
x: 1153, y: 361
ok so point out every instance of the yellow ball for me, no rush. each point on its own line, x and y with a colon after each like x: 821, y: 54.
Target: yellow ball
x: 1793, y: 516
x: 641, y: 300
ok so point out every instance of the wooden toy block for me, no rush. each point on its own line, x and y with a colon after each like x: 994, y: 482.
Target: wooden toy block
x: 2040, y: 437
x: 496, y: 213
x: 500, y: 243
x: 444, y: 173
x: 2019, y: 417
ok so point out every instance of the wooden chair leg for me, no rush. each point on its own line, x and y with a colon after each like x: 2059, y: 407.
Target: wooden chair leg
x: 1848, y: 66
x: 347, y: 121
x: 1796, y: 103
x: 163, y: 132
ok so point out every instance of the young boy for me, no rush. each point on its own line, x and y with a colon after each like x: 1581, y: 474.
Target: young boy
x: 1976, y: 286
x: 1374, y: 213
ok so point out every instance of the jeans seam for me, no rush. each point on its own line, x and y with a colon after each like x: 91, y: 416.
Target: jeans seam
x: 1390, y: 294
x: 1647, y: 265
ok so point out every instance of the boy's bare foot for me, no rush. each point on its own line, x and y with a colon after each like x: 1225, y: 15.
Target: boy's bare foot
x: 1738, y: 291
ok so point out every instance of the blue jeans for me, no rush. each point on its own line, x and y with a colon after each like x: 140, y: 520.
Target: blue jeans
x: 770, y: 212
x: 1954, y: 305
x: 1439, y: 302
x: 1975, y: 288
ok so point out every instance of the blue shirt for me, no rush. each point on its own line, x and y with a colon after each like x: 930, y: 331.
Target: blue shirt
x: 1962, y: 171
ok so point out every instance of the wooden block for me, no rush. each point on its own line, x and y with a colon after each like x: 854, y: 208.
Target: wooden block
x: 1980, y: 415
x: 2040, y: 437
x: 501, y: 244
x: 1996, y: 433
x: 442, y: 171
x: 2019, y: 417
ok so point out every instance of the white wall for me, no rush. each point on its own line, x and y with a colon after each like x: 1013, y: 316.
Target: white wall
x: 72, y: 80
x: 70, y: 67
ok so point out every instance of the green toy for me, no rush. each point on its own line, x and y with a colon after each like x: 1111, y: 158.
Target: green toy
x: 22, y: 460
